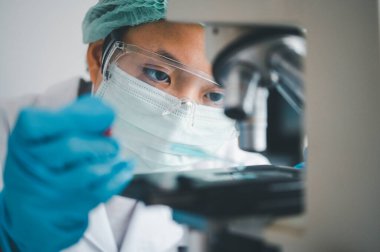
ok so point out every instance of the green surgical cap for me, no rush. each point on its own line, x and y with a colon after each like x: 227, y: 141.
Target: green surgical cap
x: 108, y: 15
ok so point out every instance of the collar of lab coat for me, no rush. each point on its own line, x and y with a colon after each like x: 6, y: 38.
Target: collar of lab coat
x: 99, y: 232
x: 150, y: 230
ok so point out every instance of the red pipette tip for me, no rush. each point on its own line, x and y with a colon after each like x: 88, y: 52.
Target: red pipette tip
x: 108, y: 132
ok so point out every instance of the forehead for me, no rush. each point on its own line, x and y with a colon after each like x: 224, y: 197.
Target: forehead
x: 185, y: 42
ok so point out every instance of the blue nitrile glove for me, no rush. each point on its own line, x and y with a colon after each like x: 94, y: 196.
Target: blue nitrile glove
x: 59, y: 166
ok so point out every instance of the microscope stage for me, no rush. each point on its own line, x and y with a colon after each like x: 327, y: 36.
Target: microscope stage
x: 253, y: 190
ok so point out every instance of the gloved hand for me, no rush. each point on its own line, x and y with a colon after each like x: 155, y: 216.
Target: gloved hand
x: 59, y: 166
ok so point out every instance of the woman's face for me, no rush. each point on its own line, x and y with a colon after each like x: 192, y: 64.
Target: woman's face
x: 182, y: 42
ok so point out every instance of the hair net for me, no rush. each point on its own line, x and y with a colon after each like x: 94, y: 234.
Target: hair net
x: 108, y: 15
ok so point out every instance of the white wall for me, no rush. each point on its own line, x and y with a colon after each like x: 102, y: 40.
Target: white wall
x: 40, y: 44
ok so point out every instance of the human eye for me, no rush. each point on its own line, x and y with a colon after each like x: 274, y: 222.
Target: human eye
x: 156, y: 75
x: 215, y: 98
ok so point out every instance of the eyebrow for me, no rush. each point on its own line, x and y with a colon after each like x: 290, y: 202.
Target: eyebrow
x: 168, y: 55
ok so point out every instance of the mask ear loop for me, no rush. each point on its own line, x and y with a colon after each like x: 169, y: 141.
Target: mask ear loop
x: 183, y: 102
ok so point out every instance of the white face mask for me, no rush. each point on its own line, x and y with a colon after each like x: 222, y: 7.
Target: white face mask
x: 150, y: 122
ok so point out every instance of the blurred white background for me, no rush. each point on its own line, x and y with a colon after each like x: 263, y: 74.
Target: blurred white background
x: 40, y: 44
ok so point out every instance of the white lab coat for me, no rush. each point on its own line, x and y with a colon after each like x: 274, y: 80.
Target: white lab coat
x: 121, y: 224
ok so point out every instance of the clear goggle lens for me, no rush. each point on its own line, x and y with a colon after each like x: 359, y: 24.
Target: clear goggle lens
x: 165, y: 74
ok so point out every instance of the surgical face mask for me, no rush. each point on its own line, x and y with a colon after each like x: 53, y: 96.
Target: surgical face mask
x: 150, y: 122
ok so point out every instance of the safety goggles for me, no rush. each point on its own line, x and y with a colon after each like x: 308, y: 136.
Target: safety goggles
x: 165, y: 74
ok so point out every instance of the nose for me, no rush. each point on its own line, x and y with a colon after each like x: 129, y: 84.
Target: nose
x: 188, y: 88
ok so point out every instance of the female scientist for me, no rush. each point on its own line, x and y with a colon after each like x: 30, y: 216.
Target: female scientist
x: 151, y: 86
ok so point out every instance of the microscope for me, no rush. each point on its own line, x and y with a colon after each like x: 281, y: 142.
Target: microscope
x: 250, y: 61
x: 256, y: 47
